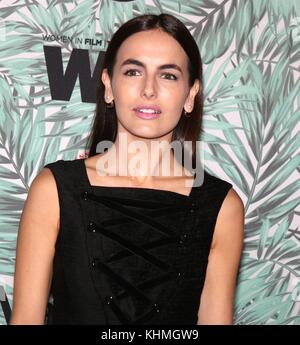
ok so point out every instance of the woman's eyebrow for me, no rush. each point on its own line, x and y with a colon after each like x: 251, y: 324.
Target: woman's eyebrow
x: 141, y: 64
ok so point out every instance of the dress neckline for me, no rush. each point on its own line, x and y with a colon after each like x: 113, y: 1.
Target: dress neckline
x: 137, y: 189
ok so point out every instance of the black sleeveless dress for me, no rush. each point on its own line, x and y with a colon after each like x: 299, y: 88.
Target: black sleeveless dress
x: 127, y: 255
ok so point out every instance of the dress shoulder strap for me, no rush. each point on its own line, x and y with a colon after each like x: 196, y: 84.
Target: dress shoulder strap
x: 68, y: 173
x: 211, y: 193
x: 217, y: 183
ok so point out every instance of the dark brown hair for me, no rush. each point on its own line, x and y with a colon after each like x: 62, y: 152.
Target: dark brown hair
x: 105, y: 121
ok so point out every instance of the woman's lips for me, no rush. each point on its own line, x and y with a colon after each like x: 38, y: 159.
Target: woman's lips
x: 147, y: 111
x: 146, y: 116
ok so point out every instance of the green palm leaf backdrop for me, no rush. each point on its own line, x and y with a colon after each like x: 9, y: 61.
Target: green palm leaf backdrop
x: 251, y: 56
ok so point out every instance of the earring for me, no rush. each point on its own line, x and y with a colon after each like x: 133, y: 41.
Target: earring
x: 109, y: 105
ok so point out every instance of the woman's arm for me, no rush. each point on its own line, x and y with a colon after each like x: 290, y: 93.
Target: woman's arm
x: 37, y: 235
x: 217, y: 299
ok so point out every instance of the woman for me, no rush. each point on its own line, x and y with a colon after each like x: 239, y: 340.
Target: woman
x: 118, y: 243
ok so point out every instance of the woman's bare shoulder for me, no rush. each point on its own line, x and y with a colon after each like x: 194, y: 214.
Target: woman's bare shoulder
x: 44, y: 178
x: 42, y: 199
x: 230, y: 221
x: 233, y: 204
x: 44, y: 185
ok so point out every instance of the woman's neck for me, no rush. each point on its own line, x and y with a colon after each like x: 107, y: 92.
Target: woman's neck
x: 143, y: 161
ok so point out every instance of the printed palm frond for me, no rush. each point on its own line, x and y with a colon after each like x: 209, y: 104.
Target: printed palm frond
x: 86, y: 11
x: 275, y: 272
x: 226, y: 95
x: 112, y: 14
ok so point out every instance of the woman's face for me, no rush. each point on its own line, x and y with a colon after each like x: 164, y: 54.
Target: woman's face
x: 150, y: 85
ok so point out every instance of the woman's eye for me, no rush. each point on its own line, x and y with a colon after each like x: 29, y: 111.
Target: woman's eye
x: 135, y: 72
x: 170, y: 76
x: 131, y: 72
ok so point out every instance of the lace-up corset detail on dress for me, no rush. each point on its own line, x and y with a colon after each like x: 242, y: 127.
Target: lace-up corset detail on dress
x: 134, y: 239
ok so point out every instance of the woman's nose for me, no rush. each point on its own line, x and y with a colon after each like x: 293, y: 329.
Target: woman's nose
x: 149, y: 88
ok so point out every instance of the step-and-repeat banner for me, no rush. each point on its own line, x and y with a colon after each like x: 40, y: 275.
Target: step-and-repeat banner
x: 50, y: 56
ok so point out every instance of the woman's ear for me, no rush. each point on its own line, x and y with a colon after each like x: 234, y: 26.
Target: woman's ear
x: 189, y: 103
x: 107, y: 84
